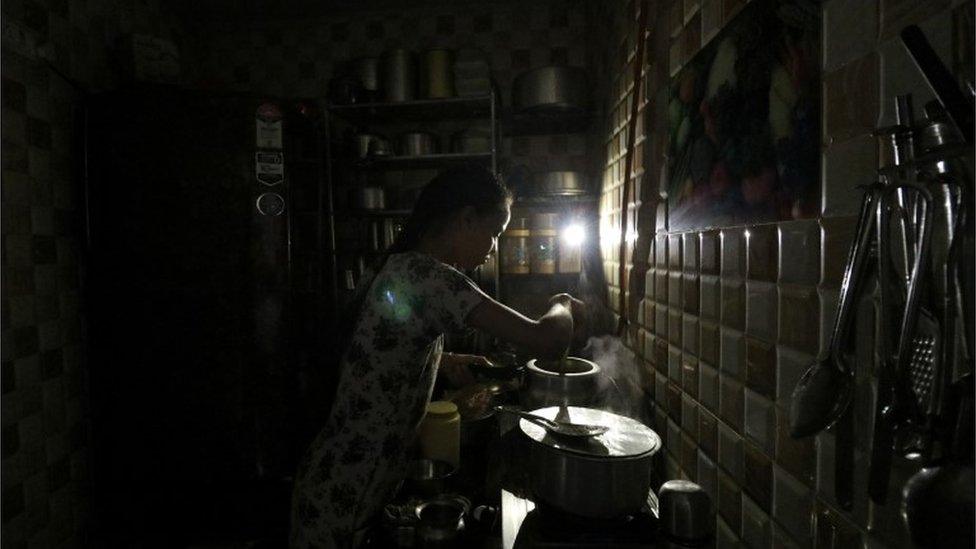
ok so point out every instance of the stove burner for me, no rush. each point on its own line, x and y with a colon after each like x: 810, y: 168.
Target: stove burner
x: 548, y: 527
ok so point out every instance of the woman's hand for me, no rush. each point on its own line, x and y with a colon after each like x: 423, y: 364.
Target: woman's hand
x: 455, y: 368
x: 578, y: 310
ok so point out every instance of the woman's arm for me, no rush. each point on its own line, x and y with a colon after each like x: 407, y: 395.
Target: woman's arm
x: 548, y: 337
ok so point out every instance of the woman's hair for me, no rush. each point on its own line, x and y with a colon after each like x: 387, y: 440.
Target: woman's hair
x: 447, y: 194
x: 444, y: 196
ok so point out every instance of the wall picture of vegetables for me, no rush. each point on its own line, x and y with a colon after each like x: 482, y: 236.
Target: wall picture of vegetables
x: 744, y: 121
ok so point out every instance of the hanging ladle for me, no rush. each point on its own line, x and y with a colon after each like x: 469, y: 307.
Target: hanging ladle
x: 825, y: 391
x: 561, y: 428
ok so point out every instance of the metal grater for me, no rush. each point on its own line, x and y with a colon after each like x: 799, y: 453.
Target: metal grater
x: 923, y: 367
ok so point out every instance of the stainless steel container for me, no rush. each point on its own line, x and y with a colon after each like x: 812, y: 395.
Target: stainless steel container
x: 436, y: 78
x: 551, y: 383
x: 560, y: 183
x: 600, y: 477
x: 399, y: 75
x: 472, y: 140
x: 360, y: 143
x: 685, y: 511
x: 418, y: 144
x: 550, y: 88
x: 366, y: 70
x: 441, y: 520
x: 367, y: 198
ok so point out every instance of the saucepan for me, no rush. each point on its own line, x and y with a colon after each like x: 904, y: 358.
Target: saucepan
x: 570, y: 381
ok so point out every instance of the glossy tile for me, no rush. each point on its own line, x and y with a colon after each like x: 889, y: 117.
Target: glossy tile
x: 790, y: 366
x: 851, y: 99
x: 674, y: 364
x: 689, y: 289
x: 648, y: 315
x: 708, y: 477
x: 761, y: 310
x: 756, y: 526
x: 710, y: 297
x: 674, y: 252
x: 647, y: 350
x: 733, y: 304
x: 674, y: 401
x: 758, y: 475
x: 708, y: 386
x: 660, y: 356
x: 731, y: 401
x: 847, y: 164
x: 661, y: 252
x: 730, y: 452
x: 675, y: 326
x: 689, y: 376
x: 760, y: 424
x: 761, y: 367
x: 792, y: 505
x: 850, y: 30
x: 690, y: 252
x: 661, y: 390
x: 674, y: 438
x: 733, y: 253
x: 710, y: 343
x: 649, y: 284
x: 833, y: 530
x: 828, y: 312
x: 729, y: 500
x: 689, y: 417
x: 661, y: 286
x: 689, y: 334
x: 711, y: 19
x: 799, y: 252
x: 762, y: 253
x: 708, y: 433
x: 674, y: 289
x: 733, y: 360
x: 661, y: 321
x: 689, y: 457
x: 725, y: 538
x: 837, y: 234
x: 783, y: 540
x: 799, y: 318
x: 710, y: 252
x: 897, y: 14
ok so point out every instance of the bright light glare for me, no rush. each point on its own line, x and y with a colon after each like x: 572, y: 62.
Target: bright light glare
x: 574, y: 235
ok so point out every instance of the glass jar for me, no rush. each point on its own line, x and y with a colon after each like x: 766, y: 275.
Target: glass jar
x: 515, y: 247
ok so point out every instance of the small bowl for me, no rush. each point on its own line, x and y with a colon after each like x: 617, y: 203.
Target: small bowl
x: 428, y: 477
x: 441, y: 519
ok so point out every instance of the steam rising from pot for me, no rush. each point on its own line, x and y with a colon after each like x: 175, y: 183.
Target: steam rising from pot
x: 619, y: 386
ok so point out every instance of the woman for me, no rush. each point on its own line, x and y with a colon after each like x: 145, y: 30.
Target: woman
x: 354, y: 465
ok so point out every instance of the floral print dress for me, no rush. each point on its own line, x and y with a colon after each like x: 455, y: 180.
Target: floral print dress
x: 354, y: 465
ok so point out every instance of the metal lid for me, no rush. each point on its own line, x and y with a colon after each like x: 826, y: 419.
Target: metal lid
x: 626, y: 437
x: 441, y: 409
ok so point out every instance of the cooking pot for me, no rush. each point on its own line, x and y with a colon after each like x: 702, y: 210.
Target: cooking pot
x: 367, y: 74
x: 418, y: 144
x: 560, y: 183
x: 550, y: 88
x: 399, y: 75
x: 472, y: 140
x: 437, y: 79
x: 606, y: 476
x: 572, y: 381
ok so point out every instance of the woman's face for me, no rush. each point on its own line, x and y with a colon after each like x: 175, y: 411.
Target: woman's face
x: 480, y: 236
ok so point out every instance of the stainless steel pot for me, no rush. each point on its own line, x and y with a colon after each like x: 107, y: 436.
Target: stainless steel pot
x: 367, y: 71
x: 399, y: 74
x: 359, y: 144
x: 472, y: 140
x: 418, y: 144
x: 545, y: 383
x: 437, y: 79
x: 550, y: 88
x: 367, y: 198
x: 560, y: 183
x: 601, y: 477
x: 685, y: 511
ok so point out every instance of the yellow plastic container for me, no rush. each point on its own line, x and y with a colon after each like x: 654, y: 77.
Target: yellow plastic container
x: 440, y: 432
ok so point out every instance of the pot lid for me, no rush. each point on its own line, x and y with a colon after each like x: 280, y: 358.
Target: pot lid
x: 626, y: 438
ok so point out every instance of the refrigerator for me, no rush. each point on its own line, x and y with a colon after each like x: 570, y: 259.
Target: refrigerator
x: 206, y: 312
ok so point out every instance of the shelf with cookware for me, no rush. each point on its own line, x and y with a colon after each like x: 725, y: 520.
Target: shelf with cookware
x: 394, y: 121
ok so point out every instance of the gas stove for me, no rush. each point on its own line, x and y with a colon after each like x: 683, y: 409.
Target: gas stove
x: 526, y: 525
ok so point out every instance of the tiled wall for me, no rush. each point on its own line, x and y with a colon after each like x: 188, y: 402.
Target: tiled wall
x: 45, y: 421
x: 726, y: 320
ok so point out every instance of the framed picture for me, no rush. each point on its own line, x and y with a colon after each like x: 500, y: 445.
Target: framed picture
x: 744, y: 121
